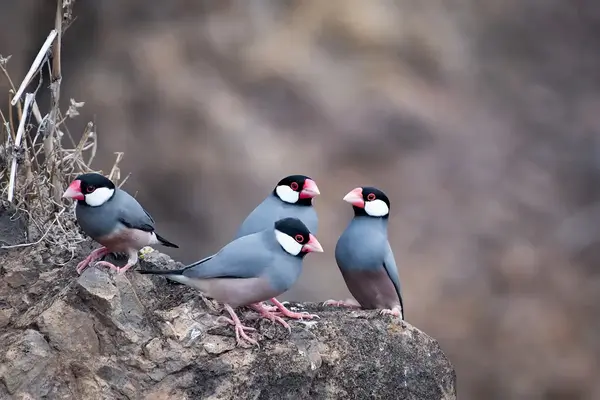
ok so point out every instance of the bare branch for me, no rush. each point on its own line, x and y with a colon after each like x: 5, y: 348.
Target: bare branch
x: 35, y: 67
x: 17, y: 145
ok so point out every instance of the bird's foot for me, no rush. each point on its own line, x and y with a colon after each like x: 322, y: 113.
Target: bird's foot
x: 269, y: 307
x: 396, y: 312
x: 94, y: 255
x: 263, y: 311
x: 240, y: 330
x: 350, y: 303
x: 114, y: 267
x: 291, y: 314
x: 146, y: 250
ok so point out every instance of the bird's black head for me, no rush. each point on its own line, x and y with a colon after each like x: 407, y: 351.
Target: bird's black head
x: 90, y: 189
x: 295, y: 238
x: 296, y: 189
x: 369, y: 201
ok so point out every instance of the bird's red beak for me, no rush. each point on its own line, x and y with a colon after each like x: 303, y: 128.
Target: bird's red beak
x: 355, y: 198
x: 313, y: 245
x: 74, y: 191
x: 309, y: 190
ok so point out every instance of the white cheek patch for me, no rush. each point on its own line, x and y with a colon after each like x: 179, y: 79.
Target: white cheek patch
x: 285, y: 193
x: 376, y: 208
x: 288, y: 243
x: 99, y: 196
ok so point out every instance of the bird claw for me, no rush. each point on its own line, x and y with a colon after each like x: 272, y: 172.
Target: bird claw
x: 396, y: 312
x: 283, y: 311
x: 238, y: 327
x: 340, y: 303
x: 83, y: 265
x: 113, y: 267
x: 229, y: 321
x: 273, y: 317
x: 240, y: 334
x: 94, y: 255
x: 297, y: 315
x: 269, y: 308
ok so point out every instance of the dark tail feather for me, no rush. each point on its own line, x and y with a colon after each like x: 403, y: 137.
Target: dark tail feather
x: 161, y: 271
x: 205, y: 259
x: 172, y: 271
x: 165, y: 242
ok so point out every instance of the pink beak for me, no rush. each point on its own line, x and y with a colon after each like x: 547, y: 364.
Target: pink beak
x: 313, y: 245
x: 355, y: 198
x: 309, y: 190
x: 74, y: 191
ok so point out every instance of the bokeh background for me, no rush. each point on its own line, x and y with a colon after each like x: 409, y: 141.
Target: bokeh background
x: 479, y: 118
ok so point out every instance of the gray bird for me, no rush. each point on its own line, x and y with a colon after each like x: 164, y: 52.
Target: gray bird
x: 251, y: 269
x: 112, y: 218
x: 364, y: 255
x: 291, y: 197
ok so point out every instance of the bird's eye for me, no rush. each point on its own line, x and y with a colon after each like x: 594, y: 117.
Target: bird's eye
x: 90, y: 189
x: 294, y: 185
x: 299, y: 238
x: 371, y: 196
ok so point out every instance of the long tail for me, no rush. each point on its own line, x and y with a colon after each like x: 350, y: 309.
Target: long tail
x: 165, y: 242
x: 205, y: 259
x: 174, y: 275
x: 173, y: 271
x: 161, y: 271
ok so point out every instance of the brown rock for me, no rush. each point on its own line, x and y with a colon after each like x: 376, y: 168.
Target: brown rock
x: 21, y: 276
x: 69, y: 330
x: 27, y: 363
x: 128, y: 336
x: 5, y: 314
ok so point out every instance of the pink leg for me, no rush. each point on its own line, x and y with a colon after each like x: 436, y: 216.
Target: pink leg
x: 131, y: 261
x: 396, y: 312
x: 350, y: 303
x: 268, y: 307
x: 94, y: 255
x: 290, y: 314
x: 265, y: 313
x: 239, y: 328
x: 113, y: 266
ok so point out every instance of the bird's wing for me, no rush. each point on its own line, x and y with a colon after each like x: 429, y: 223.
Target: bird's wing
x: 132, y: 214
x: 389, y: 263
x: 246, y: 257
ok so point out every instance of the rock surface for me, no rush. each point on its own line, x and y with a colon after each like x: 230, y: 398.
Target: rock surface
x: 108, y: 336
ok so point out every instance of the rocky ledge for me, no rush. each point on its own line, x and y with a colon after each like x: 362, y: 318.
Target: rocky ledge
x: 107, y: 336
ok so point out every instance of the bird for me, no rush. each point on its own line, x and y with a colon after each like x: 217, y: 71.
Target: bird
x: 291, y: 197
x: 364, y: 255
x: 113, y: 218
x: 250, y: 270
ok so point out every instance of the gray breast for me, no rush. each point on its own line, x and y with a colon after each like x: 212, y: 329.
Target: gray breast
x: 97, y: 221
x: 284, y: 272
x: 361, y: 246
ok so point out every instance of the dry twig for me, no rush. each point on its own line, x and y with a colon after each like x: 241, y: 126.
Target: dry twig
x: 36, y: 190
x: 17, y: 147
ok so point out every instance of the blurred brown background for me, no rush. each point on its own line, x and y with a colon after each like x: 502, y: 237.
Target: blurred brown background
x: 478, y: 118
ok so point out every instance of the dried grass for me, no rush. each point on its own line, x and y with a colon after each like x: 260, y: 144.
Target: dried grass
x: 39, y: 157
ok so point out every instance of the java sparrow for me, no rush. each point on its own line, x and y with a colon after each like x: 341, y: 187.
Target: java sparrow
x: 251, y: 269
x: 112, y: 218
x: 291, y: 197
x: 364, y: 255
